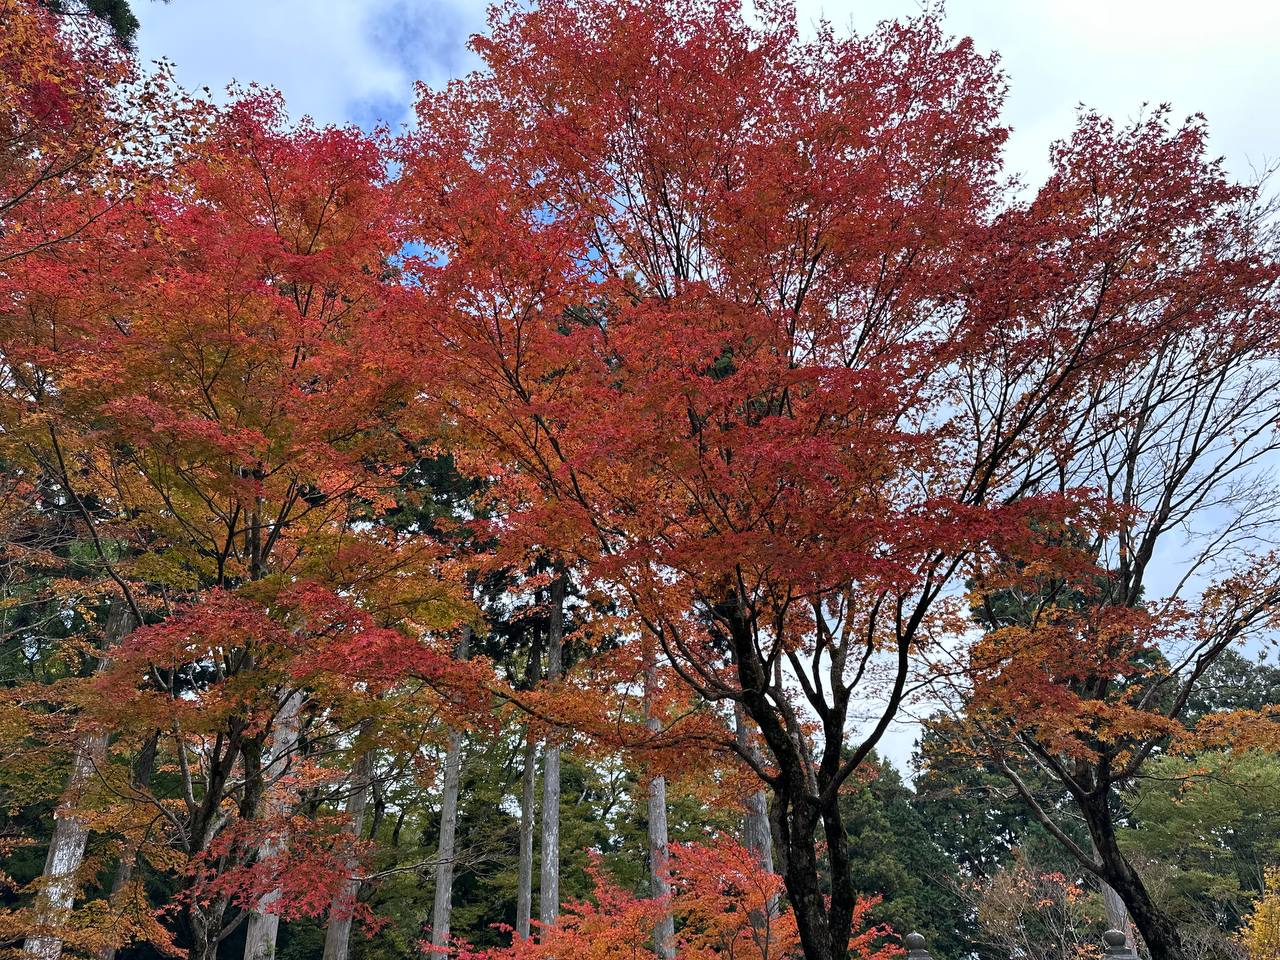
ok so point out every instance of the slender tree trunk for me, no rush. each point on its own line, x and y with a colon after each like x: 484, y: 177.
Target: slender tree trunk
x: 58, y: 880
x: 1113, y: 907
x: 549, y: 879
x: 549, y: 875
x: 528, y: 814
x: 66, y: 854
x: 1159, y: 931
x: 755, y: 830
x: 129, y: 858
x: 757, y: 836
x: 264, y: 922
x: 203, y: 915
x: 664, y: 932
x: 528, y: 804
x: 446, y: 851
x: 337, y: 936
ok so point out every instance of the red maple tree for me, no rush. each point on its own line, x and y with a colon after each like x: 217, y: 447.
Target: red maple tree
x: 749, y: 325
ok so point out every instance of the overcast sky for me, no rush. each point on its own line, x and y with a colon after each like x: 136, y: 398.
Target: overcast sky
x: 356, y: 61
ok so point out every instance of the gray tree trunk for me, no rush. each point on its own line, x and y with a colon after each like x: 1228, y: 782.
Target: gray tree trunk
x: 447, y: 852
x: 664, y: 932
x: 549, y: 879
x: 528, y: 814
x: 755, y: 834
x: 129, y: 857
x: 528, y: 805
x: 264, y: 922
x: 58, y: 880
x: 337, y: 936
x: 447, y: 849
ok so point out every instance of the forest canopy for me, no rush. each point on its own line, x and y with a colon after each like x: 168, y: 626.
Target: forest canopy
x: 511, y: 536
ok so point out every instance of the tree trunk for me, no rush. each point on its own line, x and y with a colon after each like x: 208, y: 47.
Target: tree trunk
x: 201, y: 914
x: 264, y: 922
x: 446, y: 852
x: 549, y: 876
x: 205, y: 924
x: 549, y: 879
x: 756, y: 836
x: 1158, y: 930
x: 796, y: 836
x: 801, y: 806
x: 1113, y: 907
x: 129, y: 857
x: 58, y: 880
x: 664, y: 932
x: 337, y: 936
x: 528, y: 813
x: 755, y: 829
x: 528, y: 803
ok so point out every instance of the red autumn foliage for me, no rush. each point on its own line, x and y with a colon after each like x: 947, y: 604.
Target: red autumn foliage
x: 308, y: 876
x: 744, y: 331
x: 725, y: 906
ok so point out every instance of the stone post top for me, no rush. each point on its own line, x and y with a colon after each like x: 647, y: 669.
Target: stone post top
x: 1117, y: 943
x: 915, y: 947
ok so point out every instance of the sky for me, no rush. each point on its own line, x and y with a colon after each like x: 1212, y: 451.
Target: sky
x: 357, y: 60
x: 344, y: 61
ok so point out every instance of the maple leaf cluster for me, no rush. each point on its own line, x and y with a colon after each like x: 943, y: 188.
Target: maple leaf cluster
x: 728, y: 907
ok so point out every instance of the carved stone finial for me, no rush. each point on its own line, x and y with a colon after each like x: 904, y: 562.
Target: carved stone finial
x: 1117, y: 944
x: 915, y: 947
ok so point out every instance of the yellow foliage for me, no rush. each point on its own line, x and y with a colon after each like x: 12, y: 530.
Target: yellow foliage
x: 1260, y: 936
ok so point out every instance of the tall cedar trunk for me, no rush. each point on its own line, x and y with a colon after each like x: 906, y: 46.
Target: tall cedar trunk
x: 264, y: 922
x: 756, y: 836
x: 1158, y: 929
x: 664, y: 932
x: 549, y: 878
x: 528, y: 812
x: 755, y: 828
x: 337, y: 936
x: 58, y: 880
x: 1116, y: 913
x: 142, y: 771
x: 528, y: 804
x: 446, y: 852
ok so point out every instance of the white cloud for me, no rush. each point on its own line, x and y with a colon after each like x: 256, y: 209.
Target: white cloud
x: 1116, y: 55
x: 337, y: 61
